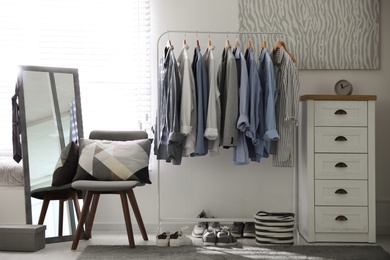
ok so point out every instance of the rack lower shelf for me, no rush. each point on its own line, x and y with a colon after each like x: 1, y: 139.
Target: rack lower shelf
x: 194, y: 220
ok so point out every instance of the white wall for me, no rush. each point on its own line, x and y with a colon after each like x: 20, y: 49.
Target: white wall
x: 215, y: 184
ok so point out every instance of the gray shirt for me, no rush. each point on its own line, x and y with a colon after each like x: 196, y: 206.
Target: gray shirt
x: 228, y: 87
x: 168, y: 139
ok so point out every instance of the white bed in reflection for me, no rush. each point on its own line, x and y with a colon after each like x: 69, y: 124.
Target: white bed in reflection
x: 12, y: 203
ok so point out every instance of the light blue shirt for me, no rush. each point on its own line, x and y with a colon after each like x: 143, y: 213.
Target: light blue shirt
x: 268, y: 84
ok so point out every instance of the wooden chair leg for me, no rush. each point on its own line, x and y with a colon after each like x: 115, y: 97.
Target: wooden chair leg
x: 76, y: 204
x: 60, y: 217
x: 126, y: 213
x: 92, y: 214
x: 84, y: 213
x: 137, y: 214
x: 45, y: 205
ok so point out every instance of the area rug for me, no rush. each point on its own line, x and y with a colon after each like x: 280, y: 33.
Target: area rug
x: 240, y: 252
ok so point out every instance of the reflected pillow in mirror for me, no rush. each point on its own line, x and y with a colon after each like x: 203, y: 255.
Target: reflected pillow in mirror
x: 66, y: 166
x: 114, y: 160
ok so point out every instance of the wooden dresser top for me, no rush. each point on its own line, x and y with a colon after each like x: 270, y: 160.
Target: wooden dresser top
x: 338, y: 97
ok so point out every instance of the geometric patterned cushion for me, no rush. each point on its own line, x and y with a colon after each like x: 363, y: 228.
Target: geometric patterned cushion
x: 66, y: 166
x: 114, y: 160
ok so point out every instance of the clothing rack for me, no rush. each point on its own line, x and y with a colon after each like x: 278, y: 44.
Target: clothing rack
x: 161, y: 220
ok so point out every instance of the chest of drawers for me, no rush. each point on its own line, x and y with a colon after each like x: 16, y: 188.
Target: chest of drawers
x: 336, y: 168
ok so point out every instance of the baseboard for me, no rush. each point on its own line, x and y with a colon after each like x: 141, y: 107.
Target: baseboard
x: 383, y: 229
x: 382, y: 213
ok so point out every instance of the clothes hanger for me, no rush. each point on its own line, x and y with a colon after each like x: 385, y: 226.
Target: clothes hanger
x: 263, y: 43
x: 249, y: 46
x: 236, y: 43
x: 209, y: 42
x: 285, y: 48
x: 277, y: 44
x: 185, y: 40
x: 169, y: 43
x: 227, y: 43
x: 197, y: 40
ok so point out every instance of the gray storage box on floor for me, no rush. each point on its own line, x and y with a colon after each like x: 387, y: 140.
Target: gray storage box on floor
x: 22, y: 237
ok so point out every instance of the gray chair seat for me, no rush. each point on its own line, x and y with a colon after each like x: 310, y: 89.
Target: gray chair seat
x: 40, y: 193
x: 106, y: 186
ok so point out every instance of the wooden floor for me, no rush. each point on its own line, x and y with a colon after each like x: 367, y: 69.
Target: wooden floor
x: 62, y: 251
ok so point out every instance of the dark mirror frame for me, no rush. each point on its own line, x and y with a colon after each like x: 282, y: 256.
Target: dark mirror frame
x: 24, y: 136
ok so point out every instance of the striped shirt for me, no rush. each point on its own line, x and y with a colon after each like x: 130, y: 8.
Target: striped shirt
x: 287, y: 88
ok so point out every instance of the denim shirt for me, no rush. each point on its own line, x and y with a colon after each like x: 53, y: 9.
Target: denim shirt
x: 255, y: 110
x: 240, y: 154
x: 201, y: 86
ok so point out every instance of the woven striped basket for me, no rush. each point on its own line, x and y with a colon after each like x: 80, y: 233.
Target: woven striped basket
x: 274, y: 228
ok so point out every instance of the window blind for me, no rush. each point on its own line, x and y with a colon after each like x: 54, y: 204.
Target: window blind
x: 107, y: 41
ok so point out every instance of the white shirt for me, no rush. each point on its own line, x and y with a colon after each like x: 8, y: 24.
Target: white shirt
x: 188, y: 101
x: 214, y: 106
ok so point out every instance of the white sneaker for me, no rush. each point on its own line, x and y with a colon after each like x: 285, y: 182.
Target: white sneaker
x: 179, y: 239
x: 163, y: 239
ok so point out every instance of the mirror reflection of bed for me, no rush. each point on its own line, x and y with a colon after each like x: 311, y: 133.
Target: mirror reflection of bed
x: 47, y: 97
x: 11, y: 186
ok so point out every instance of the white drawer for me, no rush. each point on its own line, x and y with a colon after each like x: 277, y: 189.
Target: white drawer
x: 340, y: 113
x: 340, y: 139
x: 341, y: 219
x: 341, y: 192
x: 340, y: 166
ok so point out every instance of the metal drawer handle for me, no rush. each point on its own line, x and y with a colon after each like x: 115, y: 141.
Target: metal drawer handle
x: 341, y: 191
x: 340, y: 112
x: 341, y: 218
x: 340, y: 138
x: 341, y: 165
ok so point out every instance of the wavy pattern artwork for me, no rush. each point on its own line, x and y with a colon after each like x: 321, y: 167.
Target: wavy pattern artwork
x: 322, y: 34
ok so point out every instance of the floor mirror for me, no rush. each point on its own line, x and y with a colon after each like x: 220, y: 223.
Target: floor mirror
x: 50, y: 117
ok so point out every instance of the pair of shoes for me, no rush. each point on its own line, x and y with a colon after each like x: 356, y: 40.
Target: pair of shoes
x: 241, y: 229
x: 209, y: 236
x: 175, y: 239
x: 200, y: 227
x: 249, y: 230
x: 237, y: 229
x: 224, y: 237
